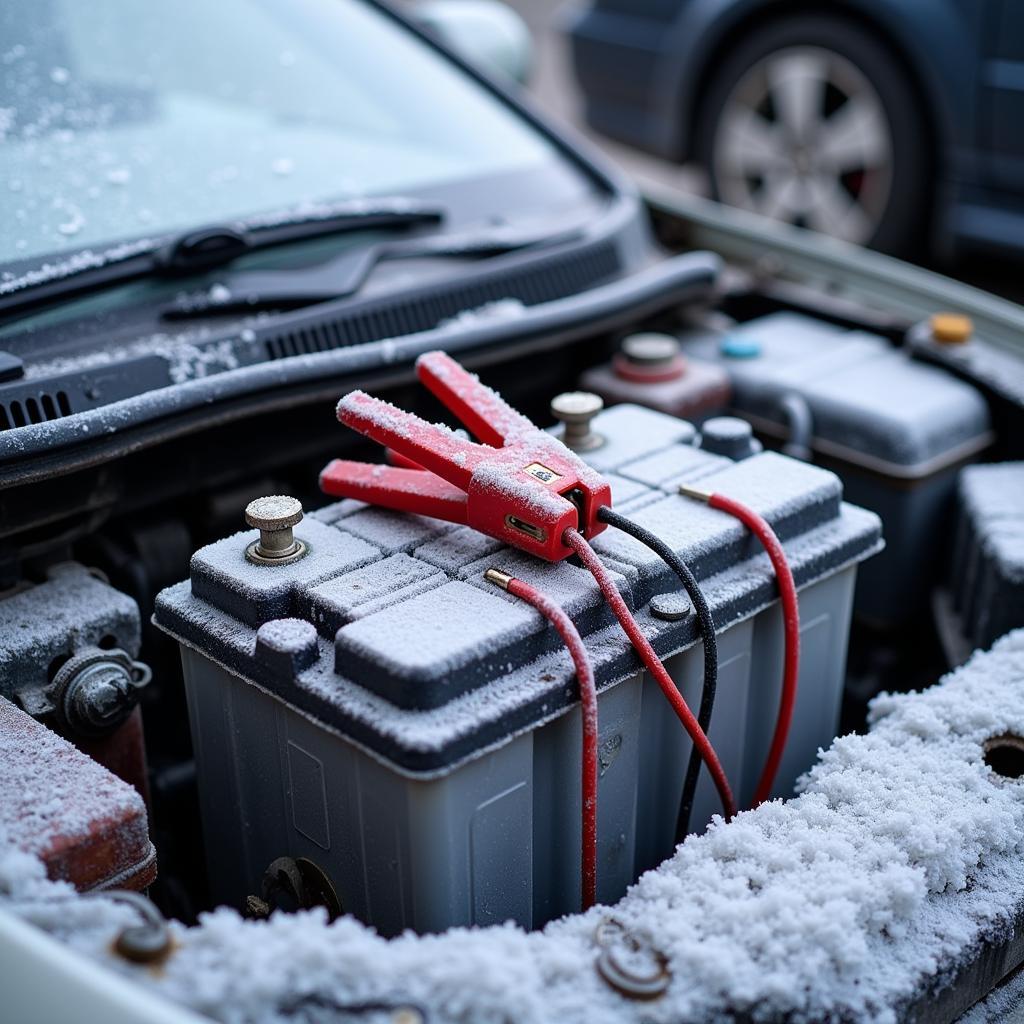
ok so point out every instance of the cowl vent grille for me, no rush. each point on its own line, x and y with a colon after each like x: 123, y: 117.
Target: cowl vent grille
x: 544, y: 279
x: 38, y: 408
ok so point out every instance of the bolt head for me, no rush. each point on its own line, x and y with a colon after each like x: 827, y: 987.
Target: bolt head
x: 104, y: 695
x: 144, y: 944
x: 99, y: 697
x: 275, y: 512
x: 576, y: 406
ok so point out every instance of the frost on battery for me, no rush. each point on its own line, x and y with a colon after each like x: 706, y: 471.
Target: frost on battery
x: 899, y: 856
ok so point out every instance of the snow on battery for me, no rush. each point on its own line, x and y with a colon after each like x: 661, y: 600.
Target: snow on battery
x: 379, y: 710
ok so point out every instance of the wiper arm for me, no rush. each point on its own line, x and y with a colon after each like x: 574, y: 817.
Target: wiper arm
x: 205, y: 248
x: 253, y: 291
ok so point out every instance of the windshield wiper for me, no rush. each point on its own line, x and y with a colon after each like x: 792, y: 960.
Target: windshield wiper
x: 252, y: 291
x: 205, y: 248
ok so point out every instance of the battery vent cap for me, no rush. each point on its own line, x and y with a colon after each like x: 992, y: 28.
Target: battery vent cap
x: 951, y: 328
x: 729, y: 436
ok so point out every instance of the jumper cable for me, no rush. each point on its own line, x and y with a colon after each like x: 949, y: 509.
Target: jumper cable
x: 791, y: 624
x: 588, y: 705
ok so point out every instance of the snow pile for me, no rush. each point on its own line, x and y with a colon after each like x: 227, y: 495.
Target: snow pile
x: 902, y: 852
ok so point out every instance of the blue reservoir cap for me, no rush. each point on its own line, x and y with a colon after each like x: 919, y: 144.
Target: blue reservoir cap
x: 736, y: 346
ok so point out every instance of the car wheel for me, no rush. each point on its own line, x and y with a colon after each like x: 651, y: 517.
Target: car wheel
x: 811, y: 121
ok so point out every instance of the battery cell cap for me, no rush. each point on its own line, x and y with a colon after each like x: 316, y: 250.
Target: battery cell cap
x: 649, y: 358
x: 951, y: 328
x: 735, y: 346
x: 728, y: 436
x: 650, y: 348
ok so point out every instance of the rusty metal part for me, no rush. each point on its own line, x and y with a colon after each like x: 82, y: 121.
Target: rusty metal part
x: 257, y: 908
x: 96, y: 690
x: 301, y: 882
x: 149, y: 941
x: 630, y: 965
x: 97, y: 835
x: 123, y: 752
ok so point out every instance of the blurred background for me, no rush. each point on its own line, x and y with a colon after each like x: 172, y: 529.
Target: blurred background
x: 897, y: 124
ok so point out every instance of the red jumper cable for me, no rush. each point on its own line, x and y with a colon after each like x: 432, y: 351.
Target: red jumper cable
x: 588, y: 705
x: 791, y: 621
x: 653, y: 664
x: 522, y: 486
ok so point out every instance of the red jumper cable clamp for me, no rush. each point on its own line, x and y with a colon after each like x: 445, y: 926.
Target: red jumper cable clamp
x: 521, y: 485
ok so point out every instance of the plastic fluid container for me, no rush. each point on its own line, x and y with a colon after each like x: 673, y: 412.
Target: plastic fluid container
x: 897, y: 431
x: 377, y: 708
x: 987, y: 573
x: 650, y: 369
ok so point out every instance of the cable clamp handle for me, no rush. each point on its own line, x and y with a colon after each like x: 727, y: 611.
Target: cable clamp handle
x: 520, y: 485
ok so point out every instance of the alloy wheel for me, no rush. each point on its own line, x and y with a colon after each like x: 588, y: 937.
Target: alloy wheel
x: 803, y: 137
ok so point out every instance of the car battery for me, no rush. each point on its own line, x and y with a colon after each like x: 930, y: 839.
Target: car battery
x: 87, y: 826
x: 986, y: 584
x: 896, y: 430
x: 377, y: 709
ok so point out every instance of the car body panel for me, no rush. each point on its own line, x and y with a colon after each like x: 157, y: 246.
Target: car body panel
x: 965, y: 59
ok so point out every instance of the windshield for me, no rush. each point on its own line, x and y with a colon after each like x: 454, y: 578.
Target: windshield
x: 122, y: 119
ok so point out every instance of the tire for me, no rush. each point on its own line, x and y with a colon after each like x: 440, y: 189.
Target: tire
x: 810, y: 120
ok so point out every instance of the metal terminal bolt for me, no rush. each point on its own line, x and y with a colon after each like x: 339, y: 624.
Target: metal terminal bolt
x: 149, y: 941
x: 629, y: 964
x: 274, y: 517
x: 96, y: 690
x: 575, y: 410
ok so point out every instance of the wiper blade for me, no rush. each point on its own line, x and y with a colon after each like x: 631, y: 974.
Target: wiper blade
x: 258, y: 290
x: 205, y: 248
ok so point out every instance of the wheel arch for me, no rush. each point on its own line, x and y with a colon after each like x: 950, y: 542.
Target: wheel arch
x: 937, y: 100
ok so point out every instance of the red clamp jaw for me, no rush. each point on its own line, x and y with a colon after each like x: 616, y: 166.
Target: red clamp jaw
x: 521, y: 485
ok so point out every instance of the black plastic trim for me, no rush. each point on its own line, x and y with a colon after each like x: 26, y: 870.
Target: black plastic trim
x: 99, y: 435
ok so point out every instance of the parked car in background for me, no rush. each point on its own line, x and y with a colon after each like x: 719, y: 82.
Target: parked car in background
x: 894, y: 123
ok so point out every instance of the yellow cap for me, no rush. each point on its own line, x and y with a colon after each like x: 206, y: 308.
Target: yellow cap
x: 951, y: 328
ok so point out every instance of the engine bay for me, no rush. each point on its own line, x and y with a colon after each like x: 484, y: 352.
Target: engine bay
x: 359, y: 754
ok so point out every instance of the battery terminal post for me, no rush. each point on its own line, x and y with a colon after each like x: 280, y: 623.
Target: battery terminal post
x: 274, y: 516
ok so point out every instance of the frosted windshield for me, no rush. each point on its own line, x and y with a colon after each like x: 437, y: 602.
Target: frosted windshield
x: 122, y: 120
